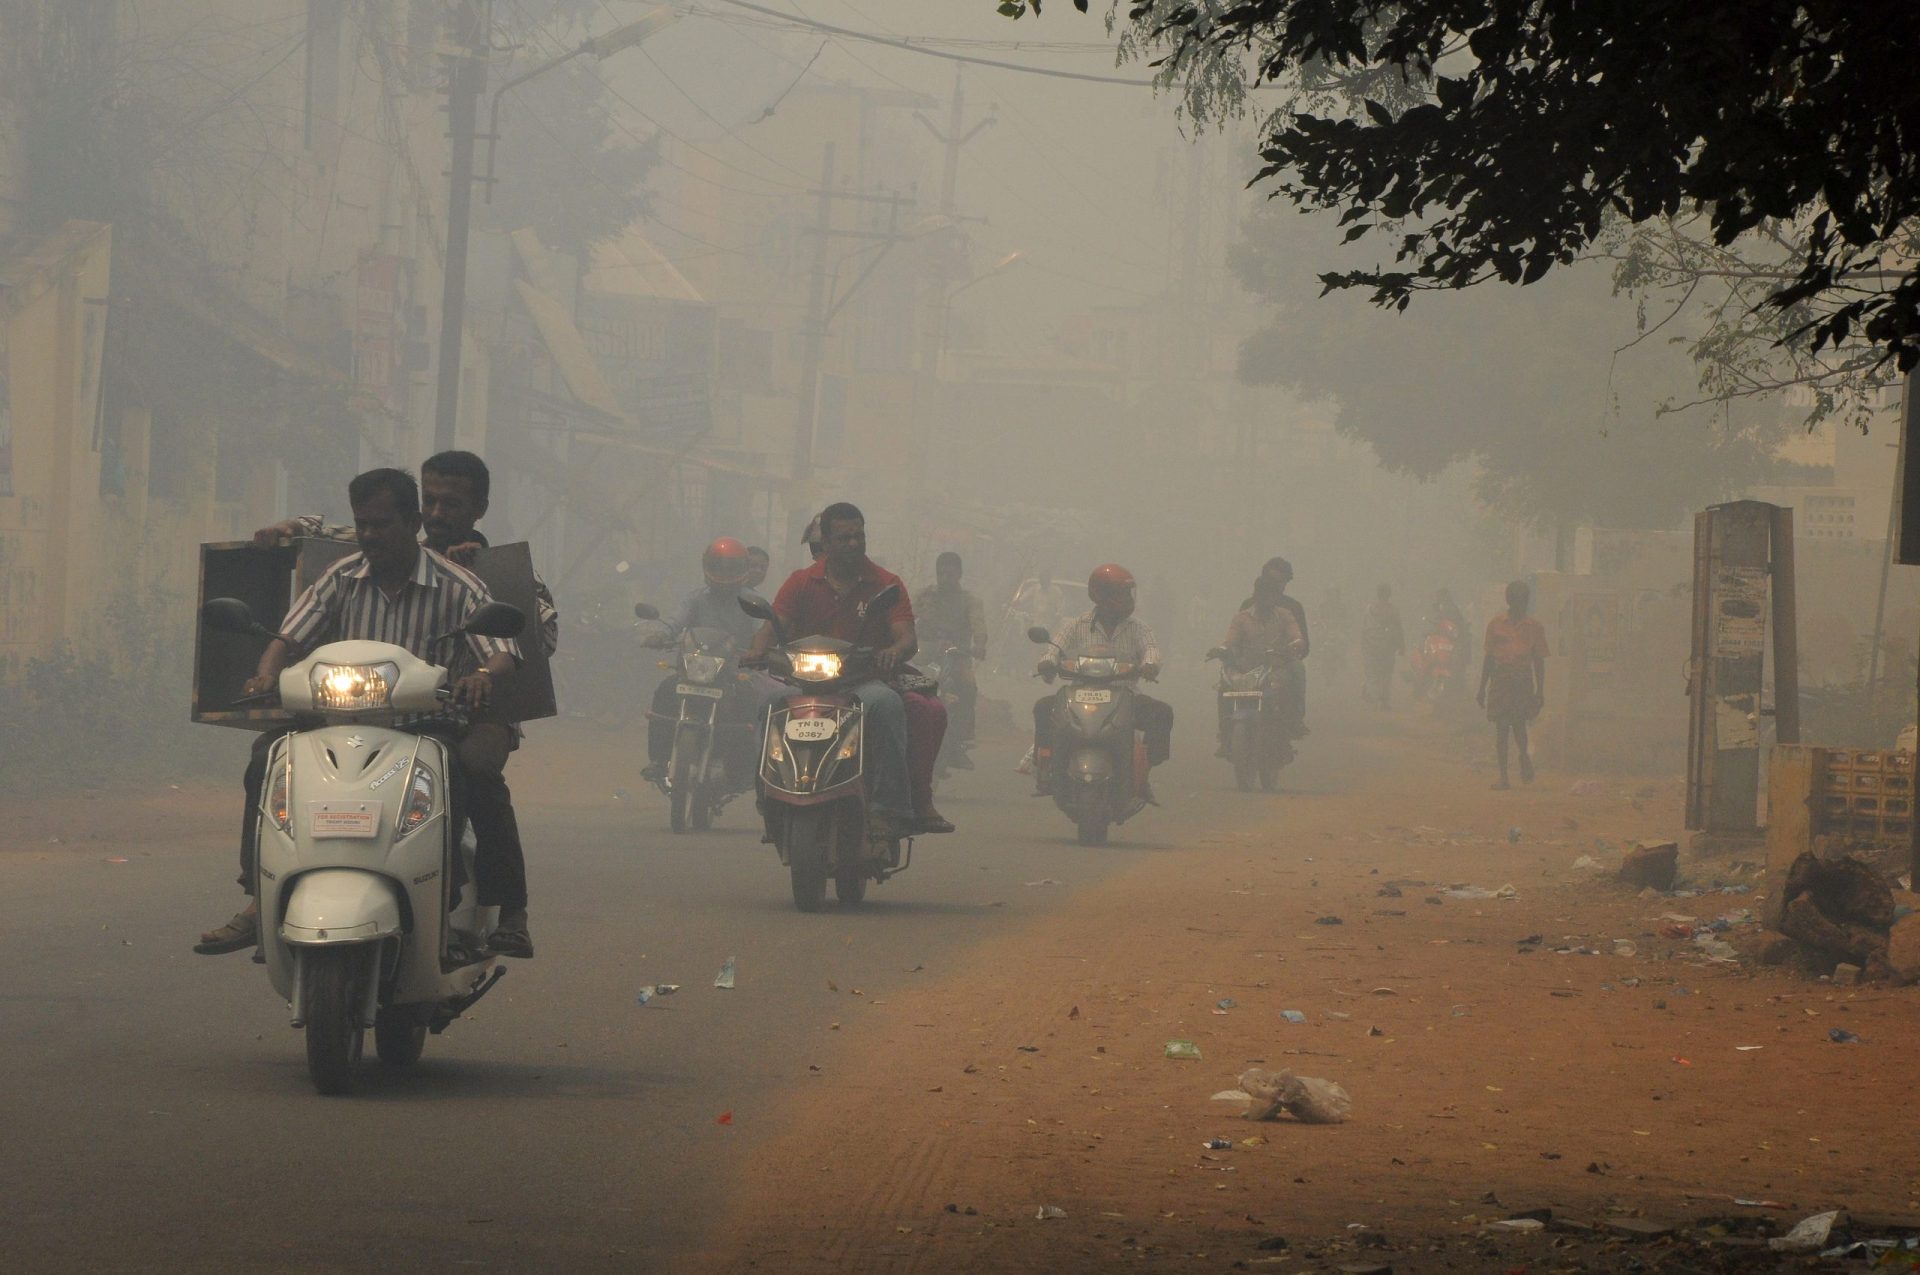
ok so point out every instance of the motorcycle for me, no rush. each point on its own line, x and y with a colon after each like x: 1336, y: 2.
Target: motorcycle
x: 359, y: 921
x: 813, y: 764
x: 704, y: 771
x: 1435, y: 662
x: 1254, y: 703
x: 951, y: 667
x: 1099, y: 762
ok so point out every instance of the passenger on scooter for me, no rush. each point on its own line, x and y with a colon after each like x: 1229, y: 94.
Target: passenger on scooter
x: 394, y: 590
x: 953, y: 617
x: 1110, y: 630
x: 717, y: 606
x: 759, y: 562
x: 829, y: 598
x: 455, y: 487
x: 1266, y: 625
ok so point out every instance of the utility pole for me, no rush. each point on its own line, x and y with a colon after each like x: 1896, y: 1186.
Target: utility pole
x: 466, y: 81
x: 815, y: 348
x: 943, y: 268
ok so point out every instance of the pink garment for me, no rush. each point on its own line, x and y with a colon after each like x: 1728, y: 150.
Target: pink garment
x: 926, y: 728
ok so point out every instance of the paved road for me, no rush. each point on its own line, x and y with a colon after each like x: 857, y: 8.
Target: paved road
x: 158, y: 1115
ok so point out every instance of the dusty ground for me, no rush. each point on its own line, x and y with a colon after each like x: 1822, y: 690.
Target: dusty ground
x: 1488, y: 1074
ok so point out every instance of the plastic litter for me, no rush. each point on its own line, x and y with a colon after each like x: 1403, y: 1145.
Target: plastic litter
x: 1293, y: 1016
x: 1585, y: 788
x: 646, y: 994
x: 1227, y: 1002
x: 1183, y: 1051
x: 1809, y: 1235
x: 1590, y: 866
x: 1328, y: 920
x: 724, y: 979
x: 1480, y: 892
x: 1513, y: 836
x: 1232, y: 1095
x: 1307, y: 1099
x: 1841, y: 1036
x: 1517, y: 1224
x: 1049, y: 1213
x: 1217, y: 1144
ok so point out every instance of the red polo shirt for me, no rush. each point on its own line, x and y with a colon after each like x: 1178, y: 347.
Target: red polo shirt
x: 808, y: 606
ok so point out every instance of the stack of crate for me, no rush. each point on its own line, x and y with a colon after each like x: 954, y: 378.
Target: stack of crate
x: 1865, y: 794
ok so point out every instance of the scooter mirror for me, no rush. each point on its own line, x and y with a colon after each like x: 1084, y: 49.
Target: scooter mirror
x: 1038, y: 634
x: 884, y: 601
x: 645, y: 611
x: 755, y: 605
x: 495, y: 620
x: 228, y: 615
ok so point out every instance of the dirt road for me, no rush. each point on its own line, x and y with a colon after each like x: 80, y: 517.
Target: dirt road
x: 1489, y: 1072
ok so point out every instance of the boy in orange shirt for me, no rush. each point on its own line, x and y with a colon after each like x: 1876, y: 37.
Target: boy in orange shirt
x: 1513, y: 678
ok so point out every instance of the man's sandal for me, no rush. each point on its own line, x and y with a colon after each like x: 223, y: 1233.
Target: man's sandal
x: 242, y: 932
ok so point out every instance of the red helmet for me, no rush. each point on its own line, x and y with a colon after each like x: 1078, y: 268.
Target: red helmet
x: 725, y: 562
x: 1111, y: 584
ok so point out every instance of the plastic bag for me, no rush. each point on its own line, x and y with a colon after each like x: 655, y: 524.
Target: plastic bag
x: 1307, y: 1099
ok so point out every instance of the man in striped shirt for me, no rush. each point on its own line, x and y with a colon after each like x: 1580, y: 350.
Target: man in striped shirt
x: 394, y: 590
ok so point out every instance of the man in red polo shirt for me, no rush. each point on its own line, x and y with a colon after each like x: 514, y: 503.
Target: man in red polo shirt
x: 830, y: 598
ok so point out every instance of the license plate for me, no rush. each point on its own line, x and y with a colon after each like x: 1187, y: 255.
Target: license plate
x: 1241, y: 694
x: 811, y: 730
x: 704, y: 692
x: 1090, y: 695
x: 343, y: 821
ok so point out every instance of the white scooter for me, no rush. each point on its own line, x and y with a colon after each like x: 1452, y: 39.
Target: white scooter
x: 358, y: 926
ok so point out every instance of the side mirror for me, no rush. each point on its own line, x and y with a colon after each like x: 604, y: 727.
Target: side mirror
x: 755, y: 605
x: 1217, y: 652
x: 229, y: 615
x: 885, y: 600
x: 645, y: 611
x: 1040, y: 635
x: 495, y: 620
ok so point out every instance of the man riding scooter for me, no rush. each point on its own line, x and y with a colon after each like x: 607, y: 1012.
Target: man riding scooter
x: 394, y: 590
x: 953, y: 619
x: 829, y: 598
x: 1112, y: 631
x: 727, y: 569
x: 454, y: 488
x: 1264, y: 628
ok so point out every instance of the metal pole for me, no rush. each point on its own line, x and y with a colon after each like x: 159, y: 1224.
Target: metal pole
x: 465, y: 84
x: 1786, y: 639
x: 815, y: 350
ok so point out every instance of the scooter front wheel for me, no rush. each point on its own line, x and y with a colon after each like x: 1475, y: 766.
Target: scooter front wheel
x: 810, y: 830
x: 334, y: 1039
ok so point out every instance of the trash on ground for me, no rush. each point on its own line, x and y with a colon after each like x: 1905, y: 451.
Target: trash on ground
x: 725, y: 1117
x: 1232, y: 1095
x: 1046, y: 881
x: 1650, y: 865
x: 1293, y: 1016
x: 1520, y: 1225
x: 1480, y: 892
x: 1217, y: 1144
x: 724, y: 978
x: 1227, y: 1002
x: 1840, y: 909
x: 1307, y: 1099
x: 1183, y: 1050
x: 1049, y: 1212
x: 1587, y: 865
x: 1841, y: 1036
x: 1513, y: 836
x: 1809, y: 1234
x: 1328, y: 920
x: 646, y: 994
x: 1585, y: 788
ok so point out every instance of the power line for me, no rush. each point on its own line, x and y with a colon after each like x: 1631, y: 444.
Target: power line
x: 925, y: 50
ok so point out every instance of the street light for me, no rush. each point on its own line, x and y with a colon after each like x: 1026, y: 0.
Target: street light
x: 601, y: 47
x: 999, y: 267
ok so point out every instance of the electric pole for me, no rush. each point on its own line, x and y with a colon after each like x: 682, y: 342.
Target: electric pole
x: 466, y: 81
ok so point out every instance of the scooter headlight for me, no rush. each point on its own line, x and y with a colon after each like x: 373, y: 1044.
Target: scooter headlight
x: 351, y: 687
x: 279, y: 808
x: 817, y: 666
x: 704, y: 668
x: 421, y: 789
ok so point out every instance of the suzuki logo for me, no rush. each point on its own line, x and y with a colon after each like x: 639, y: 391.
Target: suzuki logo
x: 356, y: 741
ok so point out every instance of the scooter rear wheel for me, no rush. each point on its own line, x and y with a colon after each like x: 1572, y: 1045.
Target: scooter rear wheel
x: 1240, y: 748
x: 334, y: 1039
x: 850, y: 888
x: 399, y: 1035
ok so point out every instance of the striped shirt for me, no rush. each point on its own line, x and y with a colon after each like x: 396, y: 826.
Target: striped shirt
x: 345, y: 604
x: 548, y: 620
x: 1130, y: 640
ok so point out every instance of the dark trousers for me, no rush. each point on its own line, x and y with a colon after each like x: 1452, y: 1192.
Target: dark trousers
x: 1153, y: 718
x: 500, y: 862
x: 739, y: 734
x: 966, y: 704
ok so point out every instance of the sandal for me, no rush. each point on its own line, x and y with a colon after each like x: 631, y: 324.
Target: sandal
x: 510, y: 936
x: 243, y: 931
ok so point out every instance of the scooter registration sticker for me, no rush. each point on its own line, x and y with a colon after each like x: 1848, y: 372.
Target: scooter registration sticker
x: 811, y: 730
x: 327, y: 820
x: 704, y: 692
x: 1093, y: 695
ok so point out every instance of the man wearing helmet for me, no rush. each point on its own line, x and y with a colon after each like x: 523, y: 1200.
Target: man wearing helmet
x: 1109, y: 630
x: 717, y: 606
